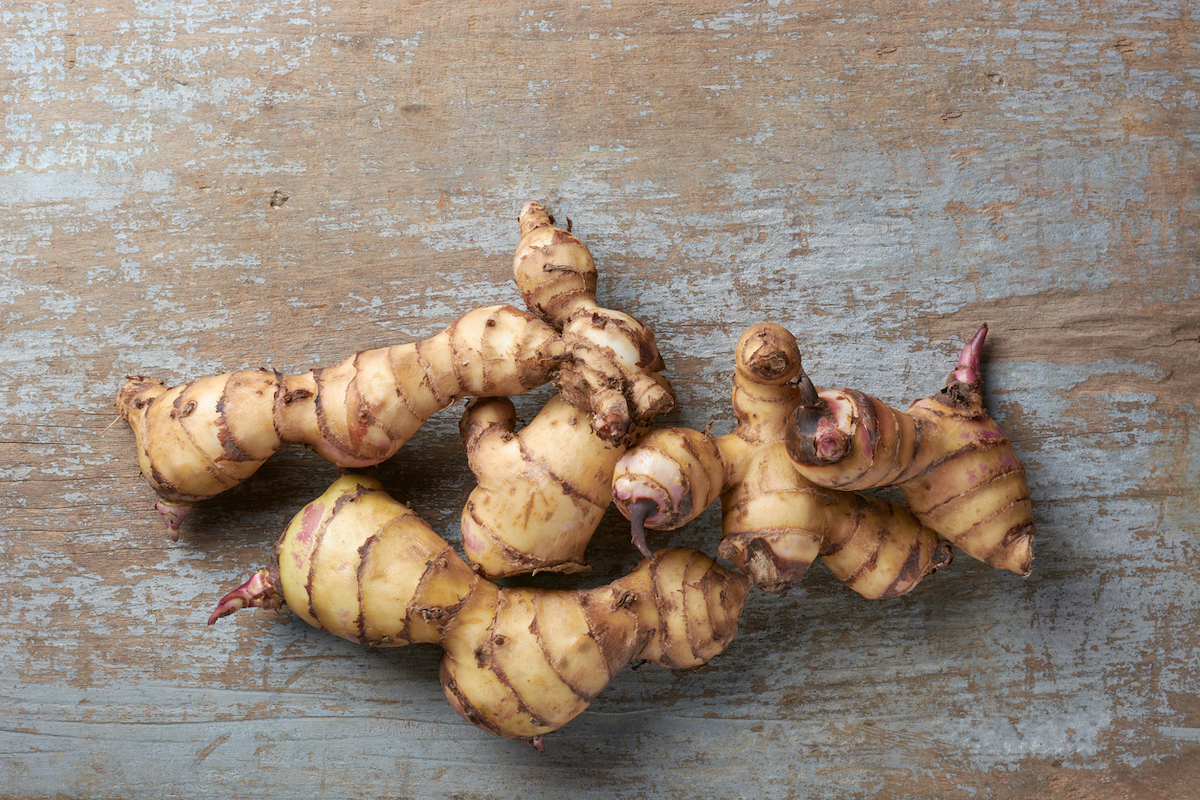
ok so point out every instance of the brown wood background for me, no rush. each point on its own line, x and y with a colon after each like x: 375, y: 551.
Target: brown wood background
x: 191, y: 187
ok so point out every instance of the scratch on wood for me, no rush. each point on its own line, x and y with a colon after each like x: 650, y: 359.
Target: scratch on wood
x: 211, y: 747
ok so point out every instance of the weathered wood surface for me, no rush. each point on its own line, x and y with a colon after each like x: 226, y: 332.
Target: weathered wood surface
x: 188, y: 188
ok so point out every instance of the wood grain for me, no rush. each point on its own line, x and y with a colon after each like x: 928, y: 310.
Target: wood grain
x: 188, y: 188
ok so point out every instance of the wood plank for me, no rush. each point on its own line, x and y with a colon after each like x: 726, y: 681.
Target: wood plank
x: 189, y: 188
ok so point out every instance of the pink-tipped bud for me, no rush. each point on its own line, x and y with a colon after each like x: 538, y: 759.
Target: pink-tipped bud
x: 968, y: 370
x: 816, y: 434
x: 173, y: 515
x: 258, y: 592
x: 830, y: 444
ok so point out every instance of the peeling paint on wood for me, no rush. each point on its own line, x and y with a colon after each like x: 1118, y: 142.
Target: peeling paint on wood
x: 188, y: 188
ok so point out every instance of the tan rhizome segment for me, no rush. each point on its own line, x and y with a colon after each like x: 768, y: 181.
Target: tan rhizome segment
x: 952, y: 462
x: 775, y: 522
x: 615, y: 360
x: 543, y: 489
x: 518, y: 662
x: 205, y: 436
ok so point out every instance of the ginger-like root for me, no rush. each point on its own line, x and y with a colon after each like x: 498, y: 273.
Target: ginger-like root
x: 203, y: 437
x: 954, y: 465
x: 541, y: 491
x: 518, y: 662
x: 553, y: 269
x: 614, y: 359
x: 523, y: 662
x: 775, y: 523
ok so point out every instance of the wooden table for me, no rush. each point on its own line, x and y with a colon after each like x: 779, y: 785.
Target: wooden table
x: 189, y: 188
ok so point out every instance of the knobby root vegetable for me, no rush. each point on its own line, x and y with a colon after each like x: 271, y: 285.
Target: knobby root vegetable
x: 616, y: 358
x: 543, y: 490
x: 203, y: 437
x: 954, y: 465
x: 774, y: 521
x: 518, y: 662
x: 198, y: 439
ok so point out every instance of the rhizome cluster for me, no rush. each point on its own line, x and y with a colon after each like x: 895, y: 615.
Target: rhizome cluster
x: 522, y: 662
